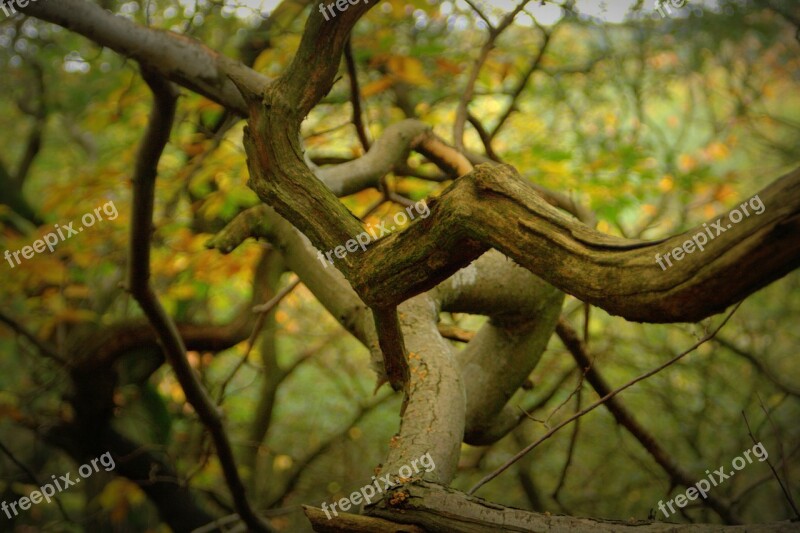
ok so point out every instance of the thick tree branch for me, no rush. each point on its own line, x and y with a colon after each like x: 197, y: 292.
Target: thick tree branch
x: 436, y: 508
x: 493, y: 207
x: 176, y: 57
x: 503, y: 353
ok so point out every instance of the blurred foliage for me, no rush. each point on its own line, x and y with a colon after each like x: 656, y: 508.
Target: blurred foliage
x: 655, y: 123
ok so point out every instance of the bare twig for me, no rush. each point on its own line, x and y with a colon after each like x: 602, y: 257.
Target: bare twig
x: 485, y: 137
x: 304, y: 463
x: 155, y: 139
x: 779, y: 444
x: 523, y: 82
x: 760, y: 365
x: 45, y: 349
x: 626, y: 419
x: 469, y: 90
x: 263, y: 310
x: 600, y: 402
x: 33, y: 478
x: 355, y: 95
x: 480, y: 13
x: 786, y: 492
x: 573, y: 439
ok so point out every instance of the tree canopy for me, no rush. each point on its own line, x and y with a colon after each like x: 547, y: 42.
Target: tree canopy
x: 264, y: 254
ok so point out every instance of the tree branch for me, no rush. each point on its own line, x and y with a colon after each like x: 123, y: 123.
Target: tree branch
x: 355, y: 95
x: 600, y: 402
x: 493, y: 207
x: 155, y: 140
x: 625, y: 418
x: 176, y: 57
x: 45, y: 349
x: 463, y: 103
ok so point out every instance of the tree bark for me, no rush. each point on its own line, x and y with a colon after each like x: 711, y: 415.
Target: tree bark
x: 442, y: 510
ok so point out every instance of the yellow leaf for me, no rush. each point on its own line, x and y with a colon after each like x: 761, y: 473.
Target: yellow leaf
x: 687, y: 163
x: 377, y: 86
x: 75, y: 316
x: 282, y: 462
x: 716, y: 151
x: 77, y: 291
x: 182, y: 292
x: 410, y: 70
x: 263, y: 60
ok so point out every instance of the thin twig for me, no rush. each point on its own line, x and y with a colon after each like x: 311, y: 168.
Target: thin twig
x: 626, y: 419
x: 598, y: 403
x: 480, y: 13
x: 523, y: 82
x: 570, y: 449
x: 774, y: 472
x: 263, y: 310
x: 355, y: 95
x: 779, y: 443
x: 45, y: 349
x: 33, y: 478
x: 469, y: 90
x: 155, y: 139
x: 485, y: 137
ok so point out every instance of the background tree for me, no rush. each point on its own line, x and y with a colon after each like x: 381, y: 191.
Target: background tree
x: 558, y: 146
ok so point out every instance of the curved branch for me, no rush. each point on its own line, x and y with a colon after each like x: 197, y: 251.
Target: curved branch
x: 494, y: 207
x: 503, y: 353
x: 386, y: 152
x: 178, y: 58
